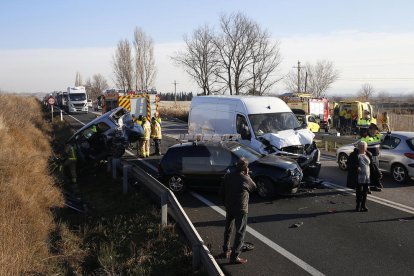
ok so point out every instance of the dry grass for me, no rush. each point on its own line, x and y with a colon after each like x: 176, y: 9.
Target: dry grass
x: 27, y: 192
x: 177, y: 110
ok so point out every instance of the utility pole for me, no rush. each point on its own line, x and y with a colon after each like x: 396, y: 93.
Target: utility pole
x: 175, y: 92
x: 298, y: 75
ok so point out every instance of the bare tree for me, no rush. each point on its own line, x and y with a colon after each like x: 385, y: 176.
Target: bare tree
x: 198, y: 59
x: 88, y: 87
x: 122, y: 65
x: 314, y: 79
x: 265, y: 60
x: 78, y: 79
x: 234, y: 50
x: 366, y: 91
x: 145, y: 70
x: 99, y: 83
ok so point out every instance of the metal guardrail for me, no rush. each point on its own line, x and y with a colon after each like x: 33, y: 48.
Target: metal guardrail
x: 326, y: 138
x: 169, y: 203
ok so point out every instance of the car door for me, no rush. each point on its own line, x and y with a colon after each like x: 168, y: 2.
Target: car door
x: 387, y: 153
x: 221, y: 159
x: 196, y: 165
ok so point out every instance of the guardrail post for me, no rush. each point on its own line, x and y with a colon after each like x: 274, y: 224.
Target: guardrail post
x: 61, y: 115
x: 115, y: 162
x: 164, y: 209
x: 125, y: 180
x: 326, y: 145
x: 196, y: 255
x: 108, y: 164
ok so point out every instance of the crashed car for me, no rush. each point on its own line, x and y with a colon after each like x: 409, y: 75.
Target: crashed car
x: 107, y: 135
x: 203, y: 164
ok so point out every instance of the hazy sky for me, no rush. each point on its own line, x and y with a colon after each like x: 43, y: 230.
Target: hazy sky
x: 44, y: 43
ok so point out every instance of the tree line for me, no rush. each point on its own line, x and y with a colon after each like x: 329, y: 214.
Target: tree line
x: 239, y: 58
x: 181, y: 96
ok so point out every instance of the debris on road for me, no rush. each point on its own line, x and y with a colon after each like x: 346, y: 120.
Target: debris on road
x: 296, y: 225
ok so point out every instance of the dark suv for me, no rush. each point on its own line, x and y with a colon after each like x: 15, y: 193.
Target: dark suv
x: 203, y: 164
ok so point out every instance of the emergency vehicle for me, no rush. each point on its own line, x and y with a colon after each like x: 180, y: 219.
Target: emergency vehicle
x: 137, y: 103
x: 319, y: 107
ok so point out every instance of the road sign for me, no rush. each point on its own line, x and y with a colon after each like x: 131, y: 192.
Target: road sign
x: 51, y: 100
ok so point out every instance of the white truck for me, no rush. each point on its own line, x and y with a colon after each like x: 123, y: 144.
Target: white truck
x: 76, y: 100
x: 265, y: 124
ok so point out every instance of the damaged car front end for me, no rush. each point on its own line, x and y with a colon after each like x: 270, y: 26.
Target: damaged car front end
x: 106, y: 136
x: 281, y: 133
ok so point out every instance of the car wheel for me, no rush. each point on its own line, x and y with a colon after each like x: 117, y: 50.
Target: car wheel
x: 399, y: 173
x: 176, y: 184
x: 265, y: 188
x: 342, y: 160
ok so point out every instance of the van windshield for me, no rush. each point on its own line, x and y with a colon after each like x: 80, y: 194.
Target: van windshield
x: 273, y: 122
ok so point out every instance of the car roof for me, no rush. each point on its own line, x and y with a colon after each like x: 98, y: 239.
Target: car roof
x: 405, y: 134
x: 227, y: 144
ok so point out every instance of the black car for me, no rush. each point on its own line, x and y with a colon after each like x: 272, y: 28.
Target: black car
x: 203, y: 164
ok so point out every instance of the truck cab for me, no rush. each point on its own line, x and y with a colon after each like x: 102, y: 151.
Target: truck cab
x: 76, y: 100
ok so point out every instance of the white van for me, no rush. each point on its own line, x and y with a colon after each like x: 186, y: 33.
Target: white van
x: 265, y: 124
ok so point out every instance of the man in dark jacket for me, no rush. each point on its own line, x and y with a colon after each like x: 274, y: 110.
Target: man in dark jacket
x: 235, y: 193
x: 352, y: 168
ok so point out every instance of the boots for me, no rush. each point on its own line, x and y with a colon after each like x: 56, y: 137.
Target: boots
x: 364, y: 200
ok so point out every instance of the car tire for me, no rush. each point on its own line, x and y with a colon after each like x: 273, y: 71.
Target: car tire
x: 342, y: 160
x: 176, y: 184
x: 399, y: 173
x: 265, y: 187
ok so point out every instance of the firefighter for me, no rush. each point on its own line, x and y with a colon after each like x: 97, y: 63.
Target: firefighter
x: 145, y: 146
x: 157, y: 117
x: 71, y: 161
x: 156, y: 135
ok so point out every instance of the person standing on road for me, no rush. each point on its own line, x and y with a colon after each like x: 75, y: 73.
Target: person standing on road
x: 156, y: 135
x: 145, y: 146
x: 374, y: 147
x: 157, y: 117
x: 235, y: 190
x: 363, y: 177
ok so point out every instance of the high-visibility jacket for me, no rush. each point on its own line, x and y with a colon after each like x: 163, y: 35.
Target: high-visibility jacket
x: 156, y: 130
x: 71, y: 151
x: 139, y: 122
x: 376, y: 138
x: 364, y: 122
x: 347, y: 116
x: 147, y: 130
x: 342, y: 113
x: 367, y: 139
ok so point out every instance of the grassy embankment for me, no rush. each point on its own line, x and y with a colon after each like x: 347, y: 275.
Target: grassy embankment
x: 118, y: 234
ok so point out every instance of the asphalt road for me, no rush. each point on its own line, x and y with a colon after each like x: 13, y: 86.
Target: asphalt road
x: 332, y: 239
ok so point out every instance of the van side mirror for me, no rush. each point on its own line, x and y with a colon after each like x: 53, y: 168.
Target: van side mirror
x: 304, y: 125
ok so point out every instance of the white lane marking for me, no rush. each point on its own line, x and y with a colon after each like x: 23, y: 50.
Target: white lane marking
x: 308, y: 268
x: 379, y: 200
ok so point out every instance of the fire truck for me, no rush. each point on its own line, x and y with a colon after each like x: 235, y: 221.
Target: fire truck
x: 319, y: 107
x: 137, y: 103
